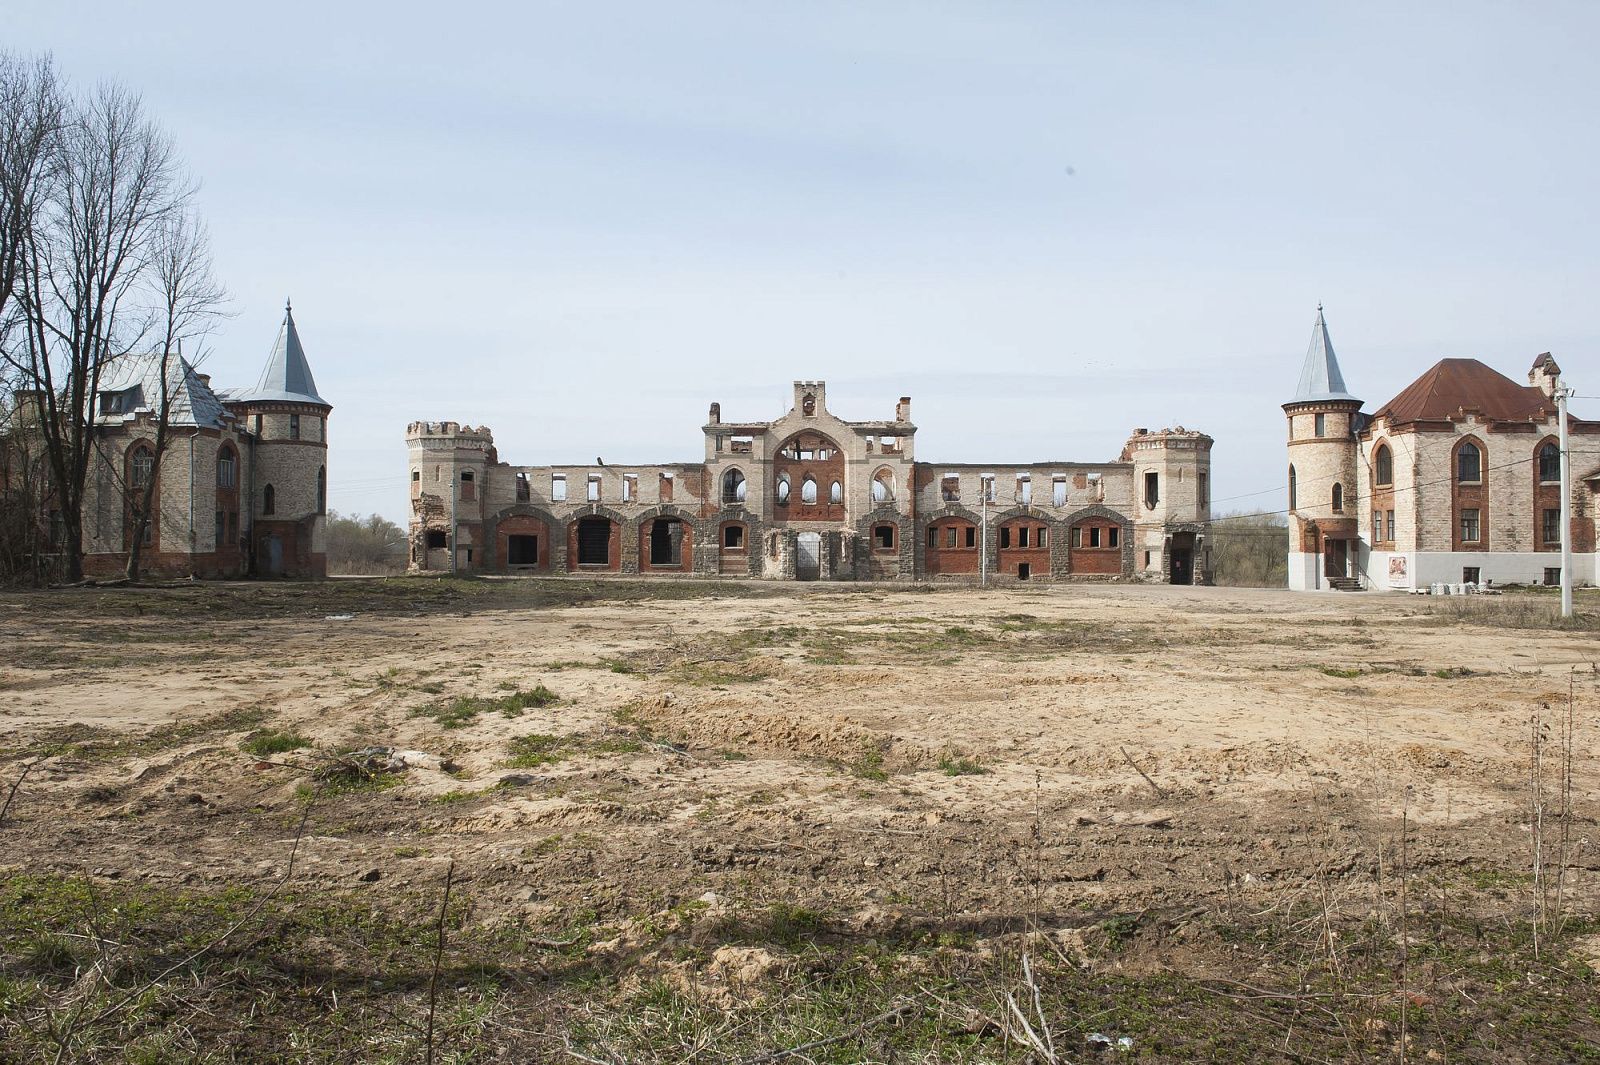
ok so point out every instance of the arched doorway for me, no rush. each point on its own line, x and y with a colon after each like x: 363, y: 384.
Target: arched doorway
x: 1180, y: 558
x: 808, y: 556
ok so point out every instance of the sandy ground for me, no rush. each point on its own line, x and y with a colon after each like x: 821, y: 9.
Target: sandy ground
x: 796, y: 746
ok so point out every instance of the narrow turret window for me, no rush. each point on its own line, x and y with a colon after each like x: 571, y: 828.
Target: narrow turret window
x: 269, y: 500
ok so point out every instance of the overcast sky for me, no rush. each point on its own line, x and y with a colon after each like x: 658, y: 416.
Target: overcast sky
x: 1047, y: 223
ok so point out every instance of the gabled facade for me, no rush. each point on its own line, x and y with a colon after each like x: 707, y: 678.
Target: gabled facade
x: 812, y: 496
x: 241, y: 489
x: 1455, y: 480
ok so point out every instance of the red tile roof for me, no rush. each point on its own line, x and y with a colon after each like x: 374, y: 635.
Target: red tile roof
x: 1452, y: 385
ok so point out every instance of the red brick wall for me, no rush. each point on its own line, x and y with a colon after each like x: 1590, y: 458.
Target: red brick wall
x: 959, y: 559
x: 613, y: 549
x: 521, y: 525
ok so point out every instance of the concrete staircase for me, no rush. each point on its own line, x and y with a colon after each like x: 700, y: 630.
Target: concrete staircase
x: 1345, y: 584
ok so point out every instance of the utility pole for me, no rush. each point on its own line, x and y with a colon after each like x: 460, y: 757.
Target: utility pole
x: 1562, y: 392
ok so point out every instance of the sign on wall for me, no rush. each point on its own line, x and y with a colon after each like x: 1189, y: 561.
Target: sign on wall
x: 1397, y: 572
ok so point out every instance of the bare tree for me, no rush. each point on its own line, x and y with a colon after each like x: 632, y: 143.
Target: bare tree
x: 86, y: 279
x: 31, y: 120
x: 189, y: 300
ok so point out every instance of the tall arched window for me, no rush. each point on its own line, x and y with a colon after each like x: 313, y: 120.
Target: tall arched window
x: 783, y: 488
x: 141, y: 467
x: 733, y: 487
x: 1383, y: 467
x: 1549, y: 464
x: 1338, y: 498
x: 322, y: 490
x: 227, y: 468
x: 1291, y: 488
x: 808, y: 490
x: 269, y: 500
x: 1469, y: 464
x: 836, y: 492
x: 883, y: 487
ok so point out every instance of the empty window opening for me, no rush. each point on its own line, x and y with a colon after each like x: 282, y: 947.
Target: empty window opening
x: 1470, y: 574
x: 1094, y: 536
x: 950, y: 534
x: 222, y: 528
x: 269, y: 500
x: 1203, y: 493
x: 469, y: 490
x: 733, y: 537
x: 950, y: 487
x: 988, y: 487
x: 1469, y: 464
x: 322, y: 490
x: 594, y: 542
x: 522, y: 550
x: 436, y: 541
x: 294, y: 427
x: 1111, y: 536
x: 836, y: 492
x: 1338, y: 498
x: 1291, y: 488
x: 1005, y: 536
x: 733, y: 487
x: 1058, y: 490
x: 665, y: 488
x: 1152, y: 489
x: 972, y: 536
x: 1024, y: 571
x: 524, y: 489
x: 666, y: 542
x: 1383, y: 466
x: 883, y: 487
x: 1022, y: 536
x: 1024, y: 489
x: 783, y: 489
x: 1552, y: 576
x: 594, y: 488
x: 630, y: 487
x: 743, y: 445
x: 808, y: 490
x: 1549, y: 464
x: 558, y: 488
x: 416, y: 476
x: 883, y: 537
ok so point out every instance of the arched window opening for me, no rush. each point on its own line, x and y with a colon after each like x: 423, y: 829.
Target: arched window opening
x: 1152, y: 489
x: 1338, y: 498
x: 1291, y: 488
x: 141, y: 468
x: 269, y: 500
x: 1549, y: 464
x: 1383, y: 467
x: 883, y: 487
x: 836, y: 492
x: 1469, y: 464
x: 227, y: 468
x: 783, y: 489
x: 733, y: 486
x: 808, y: 490
x: 322, y: 490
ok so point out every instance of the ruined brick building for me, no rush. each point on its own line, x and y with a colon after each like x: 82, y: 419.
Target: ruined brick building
x: 241, y: 489
x: 1456, y: 479
x: 813, y: 497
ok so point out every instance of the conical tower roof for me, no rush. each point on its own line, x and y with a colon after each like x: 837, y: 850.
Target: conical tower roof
x: 287, y: 377
x: 1320, y: 379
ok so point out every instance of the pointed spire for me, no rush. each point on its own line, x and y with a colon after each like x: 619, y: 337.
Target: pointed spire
x: 287, y: 377
x: 1320, y: 379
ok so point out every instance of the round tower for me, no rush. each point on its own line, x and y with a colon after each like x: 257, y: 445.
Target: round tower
x: 286, y: 472
x: 1324, y: 541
